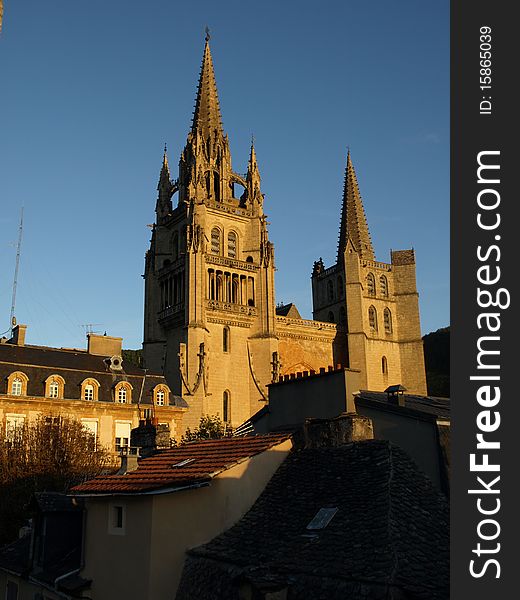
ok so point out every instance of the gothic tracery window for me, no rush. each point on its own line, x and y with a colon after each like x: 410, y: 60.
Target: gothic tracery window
x: 232, y: 244
x: 372, y: 318
x: 226, y: 407
x: 371, y: 284
x: 383, y: 286
x: 330, y: 290
x: 215, y: 240
x: 387, y: 315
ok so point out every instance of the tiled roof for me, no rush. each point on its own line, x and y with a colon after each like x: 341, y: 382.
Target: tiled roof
x: 186, y: 465
x: 390, y: 531
x: 429, y: 405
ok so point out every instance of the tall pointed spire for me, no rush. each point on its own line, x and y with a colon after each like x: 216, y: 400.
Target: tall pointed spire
x: 353, y: 219
x: 165, y: 189
x: 253, y: 177
x: 165, y: 169
x: 206, y: 117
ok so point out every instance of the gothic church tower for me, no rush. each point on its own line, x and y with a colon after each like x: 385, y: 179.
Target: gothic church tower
x: 209, y: 274
x: 375, y: 304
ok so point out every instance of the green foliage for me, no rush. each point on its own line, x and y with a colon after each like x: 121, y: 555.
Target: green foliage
x: 437, y: 362
x: 133, y: 357
x: 210, y: 428
x: 51, y: 454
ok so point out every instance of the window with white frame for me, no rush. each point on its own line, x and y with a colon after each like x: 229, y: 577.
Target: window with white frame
x: 122, y: 434
x: 159, y: 398
x: 88, y: 392
x: 16, y: 386
x: 54, y: 389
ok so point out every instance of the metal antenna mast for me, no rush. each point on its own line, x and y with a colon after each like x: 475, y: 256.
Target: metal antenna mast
x: 15, y: 280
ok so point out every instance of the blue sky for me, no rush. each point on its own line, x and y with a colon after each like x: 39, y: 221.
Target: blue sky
x: 91, y: 92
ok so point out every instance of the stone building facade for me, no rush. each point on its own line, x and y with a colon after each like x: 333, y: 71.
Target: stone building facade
x: 211, y: 323
x: 95, y: 386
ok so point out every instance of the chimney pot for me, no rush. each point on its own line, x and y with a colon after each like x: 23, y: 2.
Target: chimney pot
x: 18, y: 335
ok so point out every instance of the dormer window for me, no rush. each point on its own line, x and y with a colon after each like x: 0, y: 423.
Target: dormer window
x: 17, y: 384
x: 123, y: 392
x: 54, y: 386
x: 161, y: 394
x: 16, y: 387
x: 89, y: 389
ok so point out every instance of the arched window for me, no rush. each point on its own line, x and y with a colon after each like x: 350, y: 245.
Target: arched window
x: 226, y: 407
x: 340, y: 286
x: 215, y: 240
x: 161, y: 395
x: 123, y: 392
x: 331, y: 317
x: 216, y: 186
x: 342, y: 316
x: 383, y: 286
x: 208, y: 183
x: 387, y: 315
x: 372, y: 318
x: 330, y: 290
x: 232, y: 244
x: 17, y: 384
x: 384, y: 366
x: 16, y: 387
x: 226, y: 339
x: 89, y: 389
x: 54, y: 386
x: 371, y: 284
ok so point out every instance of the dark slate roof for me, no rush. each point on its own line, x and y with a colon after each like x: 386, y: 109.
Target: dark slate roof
x: 288, y: 310
x: 15, y: 556
x: 390, y: 531
x: 427, y: 405
x: 39, y: 362
x: 54, y: 502
x: 168, y: 469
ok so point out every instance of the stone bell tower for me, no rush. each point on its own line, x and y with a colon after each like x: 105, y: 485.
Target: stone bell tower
x: 375, y: 304
x: 209, y: 321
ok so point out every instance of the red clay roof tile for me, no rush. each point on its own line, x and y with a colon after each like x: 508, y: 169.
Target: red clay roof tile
x: 208, y: 458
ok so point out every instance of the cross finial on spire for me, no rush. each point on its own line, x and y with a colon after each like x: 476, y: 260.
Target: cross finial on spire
x: 208, y: 36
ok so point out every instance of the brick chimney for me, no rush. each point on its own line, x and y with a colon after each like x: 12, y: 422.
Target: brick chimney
x: 104, y: 345
x: 331, y: 433
x: 150, y: 436
x: 18, y: 335
x: 129, y: 460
